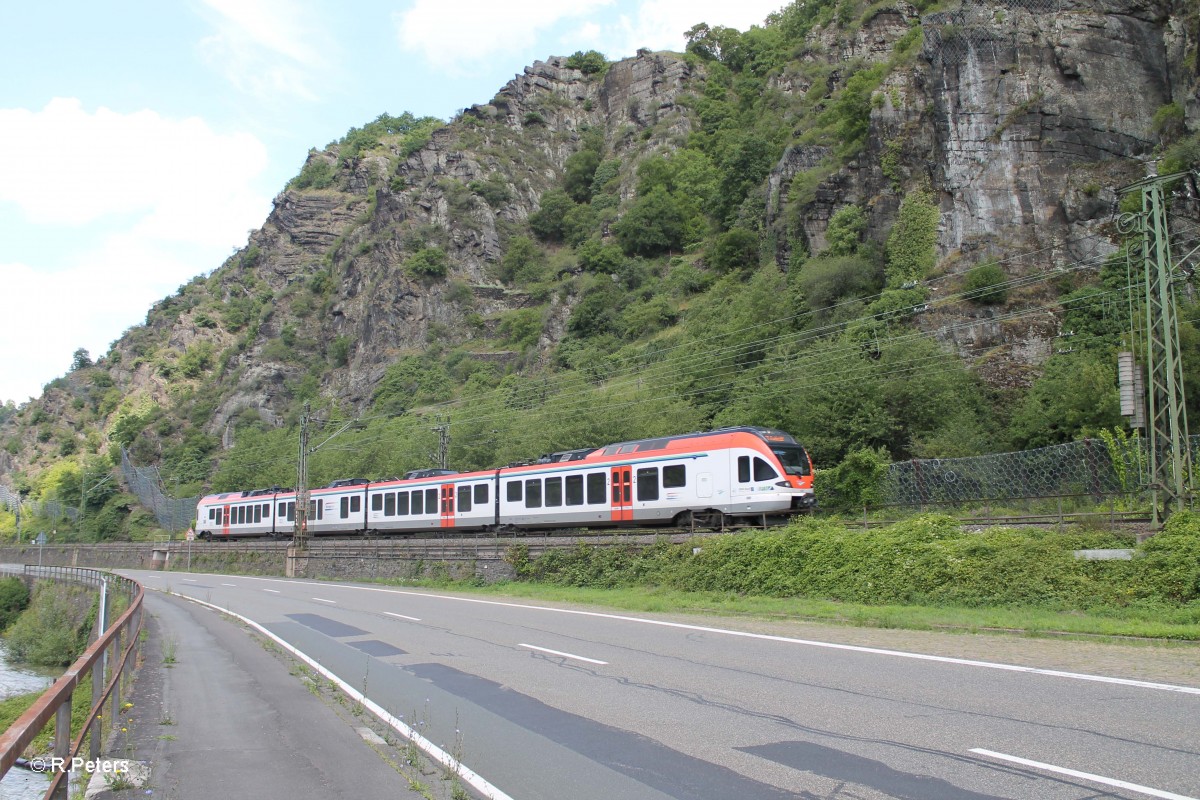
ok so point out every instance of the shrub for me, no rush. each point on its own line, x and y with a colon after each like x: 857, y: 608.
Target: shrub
x: 14, y: 598
x: 985, y: 284
x: 53, y: 630
x: 845, y: 230
x: 735, y: 250
x: 429, y: 262
x: 910, y: 245
x: 589, y: 63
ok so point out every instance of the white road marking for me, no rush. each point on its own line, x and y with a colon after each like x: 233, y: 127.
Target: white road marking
x: 323, y: 600
x: 229, y: 584
x: 1087, y: 776
x: 272, y: 591
x: 190, y: 580
x: 401, y: 616
x: 560, y: 653
x: 1054, y: 673
x: 451, y: 762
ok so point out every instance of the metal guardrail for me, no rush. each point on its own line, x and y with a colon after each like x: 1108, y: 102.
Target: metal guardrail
x: 106, y: 660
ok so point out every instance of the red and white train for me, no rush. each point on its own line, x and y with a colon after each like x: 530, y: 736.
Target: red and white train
x: 744, y: 474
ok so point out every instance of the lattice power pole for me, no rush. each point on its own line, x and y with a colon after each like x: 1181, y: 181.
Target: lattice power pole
x: 1166, y: 428
x: 300, y: 532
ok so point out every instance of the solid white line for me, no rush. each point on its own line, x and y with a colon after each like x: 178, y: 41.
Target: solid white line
x: 229, y: 584
x: 190, y: 580
x: 447, y: 760
x: 272, y: 591
x: 323, y: 600
x: 401, y: 616
x: 1054, y: 673
x: 1087, y: 776
x: 560, y: 653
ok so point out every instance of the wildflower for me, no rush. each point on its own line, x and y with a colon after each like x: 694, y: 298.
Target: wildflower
x: 124, y: 730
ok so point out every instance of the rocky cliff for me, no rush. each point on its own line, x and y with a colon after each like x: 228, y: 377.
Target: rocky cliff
x: 1020, y: 118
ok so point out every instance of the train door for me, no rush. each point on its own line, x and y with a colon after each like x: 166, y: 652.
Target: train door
x: 447, y: 510
x: 622, y: 494
x: 225, y: 521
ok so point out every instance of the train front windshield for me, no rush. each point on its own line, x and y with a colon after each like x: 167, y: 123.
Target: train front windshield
x: 794, y: 459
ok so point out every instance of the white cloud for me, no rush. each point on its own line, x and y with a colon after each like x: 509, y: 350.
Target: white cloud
x: 267, y: 48
x: 129, y: 207
x: 459, y: 36
x: 660, y: 24
x: 87, y: 303
x: 183, y: 180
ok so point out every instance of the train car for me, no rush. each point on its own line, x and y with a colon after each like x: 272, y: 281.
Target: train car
x: 709, y: 479
x: 433, y: 500
x: 706, y: 479
x: 238, y: 514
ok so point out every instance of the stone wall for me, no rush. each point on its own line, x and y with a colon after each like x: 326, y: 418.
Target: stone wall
x: 323, y: 561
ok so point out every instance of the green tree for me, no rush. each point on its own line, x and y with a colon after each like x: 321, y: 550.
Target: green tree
x: 589, y: 63
x: 736, y: 249
x: 523, y: 261
x: 1076, y: 392
x: 654, y: 224
x: 579, y: 172
x: 80, y: 360
x: 547, y: 222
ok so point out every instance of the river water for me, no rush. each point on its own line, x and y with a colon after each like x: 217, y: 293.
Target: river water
x: 22, y: 784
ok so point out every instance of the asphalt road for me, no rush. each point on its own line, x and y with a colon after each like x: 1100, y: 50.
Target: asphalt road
x: 547, y: 701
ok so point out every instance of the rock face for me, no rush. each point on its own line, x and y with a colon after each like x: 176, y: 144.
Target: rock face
x: 1021, y: 117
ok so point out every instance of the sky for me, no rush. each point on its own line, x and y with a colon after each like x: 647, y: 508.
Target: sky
x: 142, y: 140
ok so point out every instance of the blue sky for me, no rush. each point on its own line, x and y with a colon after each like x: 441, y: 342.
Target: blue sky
x: 141, y: 141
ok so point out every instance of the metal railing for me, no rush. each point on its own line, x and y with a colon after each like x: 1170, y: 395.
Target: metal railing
x: 106, y: 660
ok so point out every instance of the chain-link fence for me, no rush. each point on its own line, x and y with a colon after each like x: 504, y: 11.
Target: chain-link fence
x: 1090, y: 468
x: 172, y: 513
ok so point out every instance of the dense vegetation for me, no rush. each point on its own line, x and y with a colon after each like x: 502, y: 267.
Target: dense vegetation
x: 653, y: 295
x: 53, y: 631
x: 928, y: 561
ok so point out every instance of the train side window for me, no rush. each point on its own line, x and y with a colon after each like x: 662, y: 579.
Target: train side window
x: 629, y: 448
x: 345, y: 507
x: 464, y: 499
x: 355, y: 504
x: 212, y: 514
x: 291, y: 511
x: 266, y: 510
x: 431, y: 501
x: 674, y: 476
x: 553, y: 491
x: 647, y: 483
x: 402, y: 504
x: 389, y: 505
x: 481, y: 494
x: 376, y: 502
x: 574, y: 490
x: 533, y: 493
x: 418, y: 502
x: 242, y: 515
x: 258, y: 513
x: 597, y: 488
x: 743, y: 469
x: 764, y: 471
x: 514, y: 491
